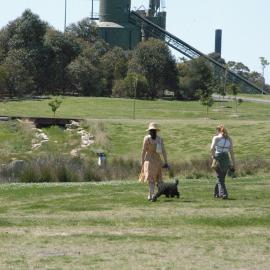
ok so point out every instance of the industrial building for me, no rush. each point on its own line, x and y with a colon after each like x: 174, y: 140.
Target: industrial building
x: 120, y: 26
x: 114, y: 24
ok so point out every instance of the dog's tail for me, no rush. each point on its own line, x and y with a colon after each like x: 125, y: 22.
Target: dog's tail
x: 176, y: 181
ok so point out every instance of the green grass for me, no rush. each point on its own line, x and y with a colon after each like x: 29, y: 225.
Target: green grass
x: 112, y: 226
x: 60, y: 141
x: 108, y: 108
x: 15, y: 139
x: 185, y: 129
x: 184, y: 140
x: 256, y: 96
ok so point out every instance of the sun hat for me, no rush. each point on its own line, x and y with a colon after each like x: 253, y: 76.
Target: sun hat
x: 153, y: 126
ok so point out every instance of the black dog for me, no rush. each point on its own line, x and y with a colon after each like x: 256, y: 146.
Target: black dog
x: 167, y: 189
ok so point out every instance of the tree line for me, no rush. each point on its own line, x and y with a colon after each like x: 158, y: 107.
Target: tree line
x: 36, y: 59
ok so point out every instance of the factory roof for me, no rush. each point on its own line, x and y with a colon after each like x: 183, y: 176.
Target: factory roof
x: 109, y: 25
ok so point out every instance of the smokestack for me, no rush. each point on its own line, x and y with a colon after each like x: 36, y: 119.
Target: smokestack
x: 218, y: 42
x: 154, y: 6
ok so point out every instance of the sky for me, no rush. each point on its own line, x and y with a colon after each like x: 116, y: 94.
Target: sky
x: 245, y: 23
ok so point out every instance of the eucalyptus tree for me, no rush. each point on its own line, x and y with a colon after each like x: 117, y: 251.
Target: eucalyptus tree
x: 24, y: 37
x: 85, y: 29
x: 85, y: 71
x: 3, y: 80
x: 62, y: 49
x: 194, y: 74
x: 85, y: 77
x: 264, y: 64
x: 154, y: 60
x: 19, y: 79
x: 114, y: 66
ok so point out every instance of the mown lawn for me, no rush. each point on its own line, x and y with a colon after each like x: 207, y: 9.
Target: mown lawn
x: 111, y: 225
x: 112, y: 108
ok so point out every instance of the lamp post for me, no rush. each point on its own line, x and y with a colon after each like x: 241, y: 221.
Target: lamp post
x: 135, y: 94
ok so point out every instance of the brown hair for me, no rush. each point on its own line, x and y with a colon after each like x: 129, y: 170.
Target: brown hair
x: 221, y: 129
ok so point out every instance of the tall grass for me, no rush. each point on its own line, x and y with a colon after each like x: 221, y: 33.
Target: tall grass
x: 61, y: 169
x: 15, y: 139
x: 98, y: 130
x: 51, y: 168
x: 201, y: 168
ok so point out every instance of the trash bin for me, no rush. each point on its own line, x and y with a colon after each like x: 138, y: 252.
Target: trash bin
x: 101, y: 159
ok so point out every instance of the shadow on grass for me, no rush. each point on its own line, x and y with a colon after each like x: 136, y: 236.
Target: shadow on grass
x: 176, y: 200
x: 189, y: 201
x: 228, y: 199
x: 27, y: 98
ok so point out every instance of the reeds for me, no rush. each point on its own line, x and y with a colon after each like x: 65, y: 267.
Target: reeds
x: 60, y: 169
x: 53, y: 168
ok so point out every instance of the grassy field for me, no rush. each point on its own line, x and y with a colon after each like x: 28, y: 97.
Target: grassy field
x: 185, y: 128
x: 111, y: 225
x: 184, y: 139
x: 187, y: 139
x: 108, y: 108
